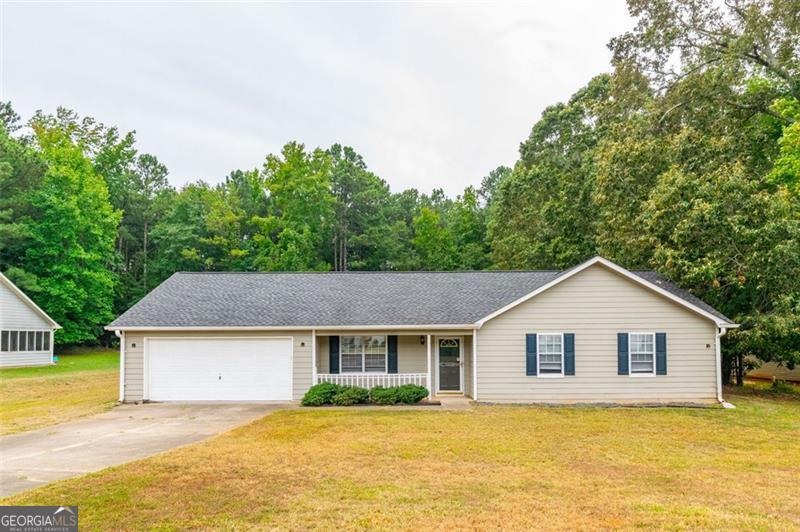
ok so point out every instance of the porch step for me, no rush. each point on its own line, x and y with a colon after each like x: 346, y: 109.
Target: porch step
x: 454, y: 402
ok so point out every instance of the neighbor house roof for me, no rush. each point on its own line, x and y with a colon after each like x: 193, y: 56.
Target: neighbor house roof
x: 351, y: 299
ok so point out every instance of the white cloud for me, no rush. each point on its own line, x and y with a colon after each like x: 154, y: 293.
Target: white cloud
x: 432, y: 95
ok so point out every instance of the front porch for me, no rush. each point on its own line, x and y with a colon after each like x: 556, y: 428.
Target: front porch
x: 441, y: 361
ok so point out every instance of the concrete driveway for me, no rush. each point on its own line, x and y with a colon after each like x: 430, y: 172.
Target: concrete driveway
x: 126, y: 433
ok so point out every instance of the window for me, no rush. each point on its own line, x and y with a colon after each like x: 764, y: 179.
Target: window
x: 551, y: 354
x: 24, y: 341
x: 360, y: 354
x: 642, y: 352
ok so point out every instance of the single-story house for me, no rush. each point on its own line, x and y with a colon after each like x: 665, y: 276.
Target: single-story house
x: 594, y: 333
x: 772, y: 370
x: 26, y: 331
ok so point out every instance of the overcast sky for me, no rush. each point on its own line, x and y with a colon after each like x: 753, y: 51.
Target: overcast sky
x: 432, y: 95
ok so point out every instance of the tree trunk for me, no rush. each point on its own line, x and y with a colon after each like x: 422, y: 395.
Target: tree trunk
x: 144, y: 257
x: 739, y: 370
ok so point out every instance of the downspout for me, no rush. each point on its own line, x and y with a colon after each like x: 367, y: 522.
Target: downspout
x: 121, y: 336
x: 719, y: 334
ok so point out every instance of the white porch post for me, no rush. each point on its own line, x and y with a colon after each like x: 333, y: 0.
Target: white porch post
x: 474, y: 364
x: 430, y: 384
x: 313, y: 357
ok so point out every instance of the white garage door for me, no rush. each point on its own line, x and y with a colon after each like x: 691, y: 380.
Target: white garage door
x: 219, y: 369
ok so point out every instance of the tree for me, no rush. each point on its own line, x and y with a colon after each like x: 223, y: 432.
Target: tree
x: 72, y: 234
x: 433, y: 243
x: 467, y: 225
x: 737, y: 246
x: 291, y: 236
x: 542, y: 215
x: 359, y: 220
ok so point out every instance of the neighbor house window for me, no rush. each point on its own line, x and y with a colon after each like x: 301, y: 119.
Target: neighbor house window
x: 551, y: 353
x: 360, y: 354
x: 24, y: 341
x: 643, y: 352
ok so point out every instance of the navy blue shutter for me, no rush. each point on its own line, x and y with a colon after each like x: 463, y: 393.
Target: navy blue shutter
x: 530, y: 354
x: 391, y: 363
x: 661, y: 353
x: 622, y: 354
x: 569, y: 353
x: 334, y: 354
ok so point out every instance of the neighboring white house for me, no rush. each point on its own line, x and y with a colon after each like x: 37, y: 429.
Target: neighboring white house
x: 594, y: 333
x: 26, y: 331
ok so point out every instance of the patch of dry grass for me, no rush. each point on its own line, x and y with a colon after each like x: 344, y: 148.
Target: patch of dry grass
x: 79, y: 385
x: 494, y: 467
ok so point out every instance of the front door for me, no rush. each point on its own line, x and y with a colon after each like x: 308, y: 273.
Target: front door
x: 449, y: 364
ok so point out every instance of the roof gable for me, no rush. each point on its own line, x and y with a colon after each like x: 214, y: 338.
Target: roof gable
x: 648, y: 279
x: 20, y: 295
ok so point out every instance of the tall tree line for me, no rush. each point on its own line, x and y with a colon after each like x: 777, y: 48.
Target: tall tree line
x: 88, y: 224
x: 684, y: 158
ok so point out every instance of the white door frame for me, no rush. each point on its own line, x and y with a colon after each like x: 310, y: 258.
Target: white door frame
x: 460, y: 364
x: 146, y: 354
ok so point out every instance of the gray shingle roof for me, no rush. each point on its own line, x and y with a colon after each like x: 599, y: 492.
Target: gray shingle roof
x: 340, y: 299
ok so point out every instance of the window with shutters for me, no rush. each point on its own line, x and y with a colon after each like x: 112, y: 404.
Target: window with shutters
x: 642, y: 349
x: 550, y: 350
x: 363, y: 354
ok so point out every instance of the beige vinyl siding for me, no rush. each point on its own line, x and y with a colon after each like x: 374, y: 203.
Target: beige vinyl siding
x: 134, y: 356
x: 595, y: 305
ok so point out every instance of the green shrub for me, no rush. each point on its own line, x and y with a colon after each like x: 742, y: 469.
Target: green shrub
x: 321, y: 394
x: 385, y: 396
x: 783, y: 387
x: 411, y: 393
x: 351, y: 395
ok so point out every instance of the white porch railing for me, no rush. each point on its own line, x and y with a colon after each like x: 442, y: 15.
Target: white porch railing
x: 371, y: 380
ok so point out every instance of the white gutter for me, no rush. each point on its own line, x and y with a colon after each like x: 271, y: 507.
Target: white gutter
x: 719, y: 334
x: 319, y: 328
x: 121, y: 336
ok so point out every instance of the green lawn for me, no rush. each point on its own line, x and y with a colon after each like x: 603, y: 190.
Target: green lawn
x: 79, y: 384
x: 494, y: 467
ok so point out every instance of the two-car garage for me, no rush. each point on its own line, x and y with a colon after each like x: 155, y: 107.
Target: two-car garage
x: 218, y: 369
